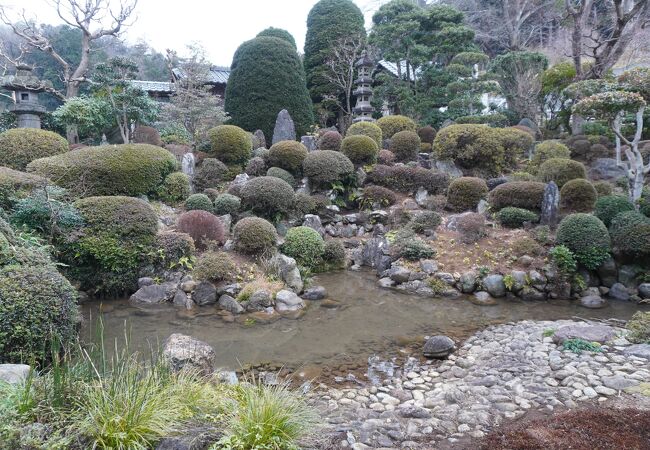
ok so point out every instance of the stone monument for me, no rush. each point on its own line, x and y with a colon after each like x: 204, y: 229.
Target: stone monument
x: 25, y: 87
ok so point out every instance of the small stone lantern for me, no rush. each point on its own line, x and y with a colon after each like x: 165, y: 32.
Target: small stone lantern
x: 25, y: 88
x: 363, y: 110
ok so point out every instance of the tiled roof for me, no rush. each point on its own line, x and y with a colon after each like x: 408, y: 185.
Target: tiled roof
x: 217, y: 75
x: 153, y: 86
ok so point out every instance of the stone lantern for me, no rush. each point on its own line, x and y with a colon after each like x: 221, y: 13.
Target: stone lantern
x: 25, y: 88
x: 363, y: 110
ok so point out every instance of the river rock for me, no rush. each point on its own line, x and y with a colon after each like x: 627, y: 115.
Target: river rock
x: 154, y: 293
x: 180, y: 298
x: 14, y: 373
x: 205, y: 294
x: 313, y: 221
x: 593, y: 302
x: 494, y: 285
x: 627, y: 275
x: 448, y: 167
x: 145, y: 281
x: 227, y: 303
x: 289, y: 272
x: 438, y: 347
x: 286, y: 301
x: 284, y: 129
x: 399, y: 274
x: 550, y: 205
x: 483, y: 298
x: 452, y: 220
x: 421, y: 197
x: 605, y: 169
x: 639, y: 350
x: 608, y: 272
x: 191, y: 439
x: 587, y: 332
x: 376, y: 254
x: 182, y: 351
x: 520, y: 280
x: 644, y: 290
x: 619, y: 383
x: 468, y: 282
x: 530, y: 294
x: 428, y: 266
x: 259, y: 300
x: 259, y: 140
x: 619, y: 292
x: 315, y: 293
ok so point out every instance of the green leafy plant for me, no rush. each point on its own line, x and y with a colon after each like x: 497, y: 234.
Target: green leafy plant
x: 563, y: 259
x: 509, y: 281
x: 548, y: 332
x: 579, y: 345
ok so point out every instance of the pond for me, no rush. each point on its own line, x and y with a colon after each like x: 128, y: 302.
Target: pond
x: 363, y: 320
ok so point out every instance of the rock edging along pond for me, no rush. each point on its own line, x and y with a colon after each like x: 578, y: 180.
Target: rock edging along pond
x: 497, y: 374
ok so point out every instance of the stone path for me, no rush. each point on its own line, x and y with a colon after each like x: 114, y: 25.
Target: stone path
x: 497, y: 374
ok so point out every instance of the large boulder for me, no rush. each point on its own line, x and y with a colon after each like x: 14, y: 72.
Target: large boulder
x: 587, y: 332
x: 205, y: 294
x: 638, y: 350
x: 494, y: 285
x: 185, y: 352
x: 154, y: 293
x: 619, y: 292
x: 606, y: 169
x: 438, y: 347
x: 14, y: 373
x: 593, y: 302
x: 289, y: 272
x: 227, y: 303
x: 644, y: 290
x: 287, y: 301
x: 259, y: 301
x: 315, y: 293
x: 284, y: 130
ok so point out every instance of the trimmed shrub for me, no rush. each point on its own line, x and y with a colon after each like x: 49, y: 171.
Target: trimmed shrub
x: 263, y: 153
x: 512, y: 217
x: 226, y: 204
x: 281, y: 174
x: 116, y: 241
x: 376, y: 195
x: 304, y: 204
x: 394, y: 124
x: 230, y: 144
x: 203, y: 226
x: 173, y: 246
x: 256, y: 167
x: 362, y: 150
x: 47, y: 211
x: 610, y: 206
x: 493, y: 120
x: 334, y: 254
x: 427, y: 134
x: 527, y: 246
x: 386, y: 157
x: 214, y: 266
x: 521, y: 176
x: 516, y: 144
x: 471, y: 147
x: 425, y: 147
x: 38, y: 312
x: 212, y: 193
x: 464, y: 193
x: 630, y: 233
x: 199, y: 201
x: 175, y: 188
x: 603, y: 188
x: 409, y: 179
x: 547, y: 150
x: 369, y: 129
x: 130, y: 169
x: 521, y: 194
x: 471, y: 227
x: 288, y: 155
x: 278, y: 33
x: 405, y: 145
x: 425, y: 220
x: 147, y: 135
x: 15, y: 185
x: 209, y: 174
x: 330, y: 140
x: 587, y: 237
x: 578, y: 196
x: 305, y: 245
x: 561, y: 170
x: 267, y: 196
x: 20, y: 146
x: 324, y: 167
x: 639, y: 328
x: 254, y: 235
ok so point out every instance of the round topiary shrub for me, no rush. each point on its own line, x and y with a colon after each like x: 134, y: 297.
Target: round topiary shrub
x: 427, y: 134
x: 394, y: 124
x: 209, y: 174
x: 267, y: 196
x: 376, y: 196
x: 230, y: 144
x: 20, y: 146
x: 471, y: 227
x: 281, y: 174
x: 521, y: 176
x: 520, y: 194
x: 212, y: 193
x: 254, y: 235
x: 204, y: 227
x: 471, y: 147
x: 610, y: 206
x: 578, y: 196
x: 464, y: 193
x: 305, y: 245
x: 547, y: 150
x: 199, y: 201
x: 334, y: 254
x: 405, y: 145
x: 369, y: 129
x: 330, y: 140
x: 386, y: 157
x: 630, y: 233
x: 38, y: 312
x: 362, y: 150
x: 324, y: 167
x: 147, y: 135
x: 215, y: 267
x: 130, y: 169
x: 256, y: 167
x: 175, y: 188
x: 226, y: 204
x: 15, y: 185
x: 512, y: 217
x: 561, y: 170
x: 516, y: 144
x: 288, y: 155
x: 173, y: 246
x: 603, y: 188
x: 425, y: 220
x: 116, y: 241
x: 587, y: 237
x: 409, y: 179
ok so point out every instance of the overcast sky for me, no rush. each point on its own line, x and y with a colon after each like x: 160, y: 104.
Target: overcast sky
x: 220, y: 26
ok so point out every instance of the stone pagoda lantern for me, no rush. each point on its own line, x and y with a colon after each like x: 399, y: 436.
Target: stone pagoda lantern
x: 363, y: 110
x: 25, y: 88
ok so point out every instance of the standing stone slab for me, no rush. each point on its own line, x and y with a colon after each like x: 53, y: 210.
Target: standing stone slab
x: 309, y: 142
x: 284, y: 129
x: 550, y: 205
x: 259, y: 139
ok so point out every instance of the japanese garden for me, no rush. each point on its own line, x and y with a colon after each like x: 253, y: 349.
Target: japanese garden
x: 417, y: 225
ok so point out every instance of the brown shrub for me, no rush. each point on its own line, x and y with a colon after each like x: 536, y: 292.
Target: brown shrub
x: 202, y: 226
x: 471, y: 227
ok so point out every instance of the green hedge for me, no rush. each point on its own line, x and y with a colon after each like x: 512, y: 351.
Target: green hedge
x: 630, y: 233
x: 361, y: 149
x: 587, y: 237
x: 209, y: 174
x: 547, y: 150
x: 520, y: 194
x: 471, y: 147
x: 610, y: 206
x: 15, y: 185
x: 512, y: 217
x: 464, y: 193
x: 199, y: 201
x: 230, y: 144
x: 409, y: 179
x: 281, y: 174
x: 330, y: 140
x: 20, y: 146
x: 130, y: 169
x: 226, y: 204
x: 175, y: 188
